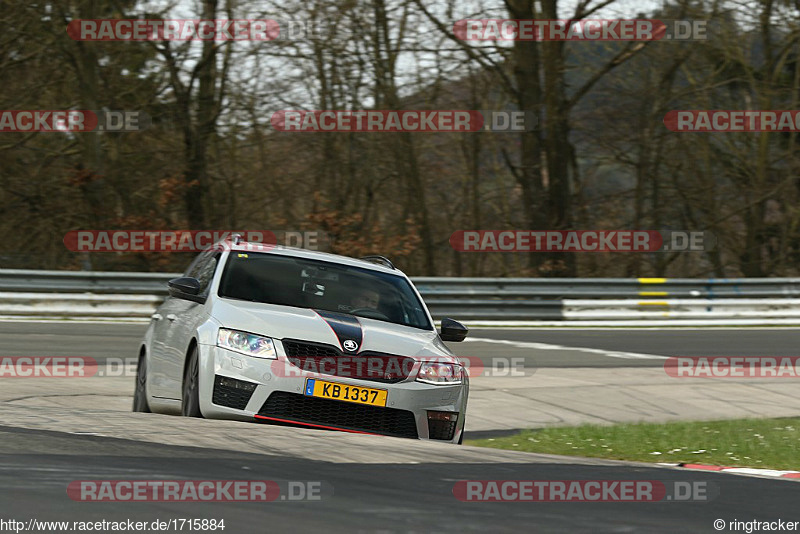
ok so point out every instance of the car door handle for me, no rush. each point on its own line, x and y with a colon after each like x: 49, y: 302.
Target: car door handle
x: 156, y: 316
x: 171, y: 317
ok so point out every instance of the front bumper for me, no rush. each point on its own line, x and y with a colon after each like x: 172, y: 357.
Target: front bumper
x: 236, y: 386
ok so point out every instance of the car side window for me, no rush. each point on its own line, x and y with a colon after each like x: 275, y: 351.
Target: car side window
x: 200, y: 258
x: 206, y: 274
x: 203, y: 268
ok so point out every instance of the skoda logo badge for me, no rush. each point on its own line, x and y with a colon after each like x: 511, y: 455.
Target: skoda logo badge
x: 350, y: 345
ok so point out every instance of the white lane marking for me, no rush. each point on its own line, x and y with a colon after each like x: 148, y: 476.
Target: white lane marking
x: 548, y: 346
x: 756, y: 471
x: 643, y: 324
x: 752, y: 471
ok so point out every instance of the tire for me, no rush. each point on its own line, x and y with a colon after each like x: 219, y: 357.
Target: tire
x: 140, y: 403
x: 190, y: 407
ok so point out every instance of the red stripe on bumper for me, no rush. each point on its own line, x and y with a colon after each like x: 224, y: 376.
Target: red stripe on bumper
x: 314, y: 425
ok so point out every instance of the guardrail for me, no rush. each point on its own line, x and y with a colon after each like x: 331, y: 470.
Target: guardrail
x: 84, y: 282
x: 78, y: 294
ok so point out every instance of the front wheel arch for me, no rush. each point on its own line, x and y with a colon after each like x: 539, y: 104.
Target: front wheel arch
x: 190, y: 385
x: 140, y: 399
x: 192, y: 346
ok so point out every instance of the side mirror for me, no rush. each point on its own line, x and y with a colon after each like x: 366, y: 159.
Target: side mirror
x: 453, y: 330
x: 186, y: 288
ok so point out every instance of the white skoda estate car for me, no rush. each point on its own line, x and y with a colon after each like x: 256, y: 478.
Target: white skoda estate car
x: 290, y: 336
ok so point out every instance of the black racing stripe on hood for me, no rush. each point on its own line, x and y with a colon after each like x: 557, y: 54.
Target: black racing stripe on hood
x: 346, y: 327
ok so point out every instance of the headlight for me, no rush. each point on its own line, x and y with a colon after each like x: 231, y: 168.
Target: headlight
x: 249, y: 344
x: 440, y: 373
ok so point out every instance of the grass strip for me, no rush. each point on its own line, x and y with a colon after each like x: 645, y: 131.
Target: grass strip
x: 764, y: 443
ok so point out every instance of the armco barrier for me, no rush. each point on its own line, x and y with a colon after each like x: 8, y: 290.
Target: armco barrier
x: 77, y: 294
x: 78, y: 305
x: 84, y: 282
x: 746, y: 308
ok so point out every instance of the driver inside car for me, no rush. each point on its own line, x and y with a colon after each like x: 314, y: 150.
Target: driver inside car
x: 365, y: 298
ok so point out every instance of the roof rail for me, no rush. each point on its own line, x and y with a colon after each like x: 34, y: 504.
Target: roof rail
x: 383, y: 260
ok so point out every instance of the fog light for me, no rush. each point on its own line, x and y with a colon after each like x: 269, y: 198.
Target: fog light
x: 442, y: 425
x: 226, y: 382
x: 442, y: 416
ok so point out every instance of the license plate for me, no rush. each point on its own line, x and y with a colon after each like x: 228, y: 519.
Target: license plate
x: 344, y: 392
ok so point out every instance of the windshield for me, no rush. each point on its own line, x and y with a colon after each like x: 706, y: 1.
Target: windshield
x: 302, y: 283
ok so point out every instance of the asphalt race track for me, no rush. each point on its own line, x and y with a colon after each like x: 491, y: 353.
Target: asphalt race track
x: 367, y: 497
x: 54, y: 432
x: 121, y: 340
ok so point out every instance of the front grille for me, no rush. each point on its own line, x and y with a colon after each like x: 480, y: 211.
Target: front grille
x: 441, y: 429
x: 303, y: 348
x: 340, y: 414
x: 232, y: 393
x: 328, y: 360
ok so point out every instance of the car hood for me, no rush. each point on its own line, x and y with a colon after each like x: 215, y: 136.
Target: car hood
x: 286, y: 322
